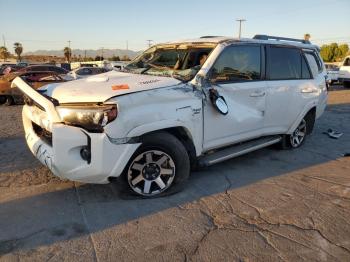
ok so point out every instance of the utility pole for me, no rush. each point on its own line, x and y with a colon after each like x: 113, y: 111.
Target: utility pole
x: 149, y: 42
x: 127, y: 45
x: 84, y: 55
x: 240, y: 27
x: 3, y: 38
x: 69, y: 43
x: 101, y: 53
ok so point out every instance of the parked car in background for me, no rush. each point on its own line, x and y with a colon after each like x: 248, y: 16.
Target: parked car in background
x: 6, y: 69
x: 344, y: 72
x: 83, y: 72
x: 45, y: 68
x: 332, y: 73
x: 23, y: 64
x: 117, y: 65
x: 177, y: 105
x: 36, y: 79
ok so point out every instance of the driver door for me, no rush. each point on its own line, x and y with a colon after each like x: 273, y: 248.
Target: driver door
x: 237, y: 76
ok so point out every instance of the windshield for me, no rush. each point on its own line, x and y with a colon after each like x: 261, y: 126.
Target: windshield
x: 181, y: 61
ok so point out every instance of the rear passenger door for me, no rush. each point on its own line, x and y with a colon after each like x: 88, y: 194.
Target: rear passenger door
x: 237, y: 75
x: 290, y: 87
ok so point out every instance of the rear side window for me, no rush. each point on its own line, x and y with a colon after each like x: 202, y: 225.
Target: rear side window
x: 284, y: 63
x: 305, y: 72
x: 237, y: 63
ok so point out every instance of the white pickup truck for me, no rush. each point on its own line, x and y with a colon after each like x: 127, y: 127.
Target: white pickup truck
x: 344, y: 72
x: 176, y: 106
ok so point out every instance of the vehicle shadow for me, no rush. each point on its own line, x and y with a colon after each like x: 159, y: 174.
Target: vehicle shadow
x: 61, y: 214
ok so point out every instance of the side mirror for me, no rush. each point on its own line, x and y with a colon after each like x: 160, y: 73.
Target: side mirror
x: 218, y: 101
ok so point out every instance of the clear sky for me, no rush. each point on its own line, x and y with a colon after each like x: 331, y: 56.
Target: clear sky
x: 89, y: 24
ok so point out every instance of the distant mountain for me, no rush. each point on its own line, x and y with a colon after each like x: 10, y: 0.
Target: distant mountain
x: 89, y: 53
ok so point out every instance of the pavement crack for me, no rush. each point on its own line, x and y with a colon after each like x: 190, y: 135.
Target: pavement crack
x: 269, y: 223
x: 82, y: 210
x: 328, y: 181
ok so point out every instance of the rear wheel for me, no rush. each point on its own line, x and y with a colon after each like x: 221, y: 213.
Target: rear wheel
x: 3, y: 99
x: 160, y: 166
x: 9, y: 101
x: 297, y: 138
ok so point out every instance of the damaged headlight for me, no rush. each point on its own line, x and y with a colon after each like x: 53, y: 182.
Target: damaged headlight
x: 91, y: 117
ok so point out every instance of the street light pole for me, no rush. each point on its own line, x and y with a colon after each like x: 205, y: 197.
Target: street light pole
x: 149, y: 42
x: 240, y: 27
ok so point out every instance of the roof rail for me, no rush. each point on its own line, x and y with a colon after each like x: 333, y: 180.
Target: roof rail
x: 210, y: 36
x: 270, y: 37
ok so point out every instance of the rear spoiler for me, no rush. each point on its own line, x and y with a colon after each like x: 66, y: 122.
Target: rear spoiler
x: 38, y: 98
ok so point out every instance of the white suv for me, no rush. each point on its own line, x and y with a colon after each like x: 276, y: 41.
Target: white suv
x: 176, y: 106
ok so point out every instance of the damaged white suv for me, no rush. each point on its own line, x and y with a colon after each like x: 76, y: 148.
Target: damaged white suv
x: 176, y: 106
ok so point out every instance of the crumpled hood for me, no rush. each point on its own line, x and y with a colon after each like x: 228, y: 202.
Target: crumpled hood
x: 100, y: 88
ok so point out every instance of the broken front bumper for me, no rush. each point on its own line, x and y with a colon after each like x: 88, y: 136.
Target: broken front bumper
x: 59, y: 146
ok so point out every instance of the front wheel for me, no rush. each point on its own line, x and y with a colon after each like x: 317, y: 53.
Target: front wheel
x: 160, y: 166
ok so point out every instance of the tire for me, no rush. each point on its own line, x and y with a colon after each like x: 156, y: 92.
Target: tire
x: 298, y: 137
x: 3, y: 100
x: 9, y: 101
x: 159, y: 167
x: 346, y: 84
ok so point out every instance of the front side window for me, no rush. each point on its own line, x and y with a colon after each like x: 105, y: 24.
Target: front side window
x: 284, y: 63
x: 237, y: 63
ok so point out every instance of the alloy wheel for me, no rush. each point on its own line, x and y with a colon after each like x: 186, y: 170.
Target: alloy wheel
x: 151, y: 173
x: 298, y: 135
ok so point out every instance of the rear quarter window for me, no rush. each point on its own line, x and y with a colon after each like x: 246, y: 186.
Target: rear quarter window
x: 314, y: 64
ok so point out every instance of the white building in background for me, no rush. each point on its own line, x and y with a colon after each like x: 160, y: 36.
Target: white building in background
x: 105, y: 63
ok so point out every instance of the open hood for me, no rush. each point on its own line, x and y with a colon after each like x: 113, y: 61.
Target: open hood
x: 100, y: 88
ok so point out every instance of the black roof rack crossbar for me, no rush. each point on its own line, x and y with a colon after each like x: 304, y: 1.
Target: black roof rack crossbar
x: 210, y: 36
x: 269, y: 37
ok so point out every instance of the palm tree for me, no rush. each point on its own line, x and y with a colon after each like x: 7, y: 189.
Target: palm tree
x: 4, y: 53
x: 18, y: 50
x: 67, y: 53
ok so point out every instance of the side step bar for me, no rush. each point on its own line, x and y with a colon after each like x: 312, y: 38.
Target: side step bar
x: 238, y: 150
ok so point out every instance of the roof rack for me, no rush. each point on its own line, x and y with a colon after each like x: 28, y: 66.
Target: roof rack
x: 270, y: 37
x: 210, y: 36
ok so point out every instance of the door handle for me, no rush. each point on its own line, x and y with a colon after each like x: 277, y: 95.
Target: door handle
x: 309, y: 90
x: 257, y: 94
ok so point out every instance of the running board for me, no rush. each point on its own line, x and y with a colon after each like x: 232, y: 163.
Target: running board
x: 238, y: 150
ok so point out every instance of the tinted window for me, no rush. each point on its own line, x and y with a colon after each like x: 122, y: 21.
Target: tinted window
x: 237, y: 63
x: 57, y: 69
x: 305, y: 72
x: 313, y: 63
x: 284, y: 63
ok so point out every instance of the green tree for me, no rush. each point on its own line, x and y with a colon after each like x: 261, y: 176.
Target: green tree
x: 125, y: 58
x: 334, y: 52
x: 4, y: 53
x: 67, y: 53
x: 99, y: 58
x: 114, y: 58
x: 18, y: 50
x: 343, y: 50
